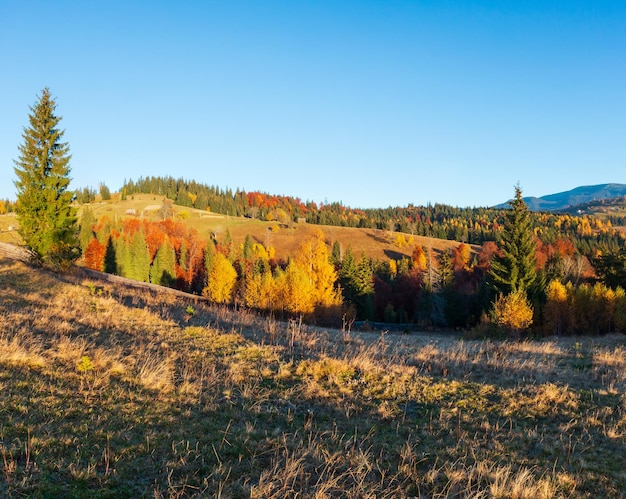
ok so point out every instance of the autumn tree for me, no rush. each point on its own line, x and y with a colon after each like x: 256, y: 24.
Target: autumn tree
x: 556, y: 310
x: 419, y: 258
x: 296, y: 289
x: 95, y: 253
x: 314, y: 259
x: 47, y: 220
x: 512, y: 312
x: 221, y: 280
x: 260, y: 291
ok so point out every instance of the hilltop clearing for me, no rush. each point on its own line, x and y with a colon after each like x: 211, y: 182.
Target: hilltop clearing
x: 113, y: 391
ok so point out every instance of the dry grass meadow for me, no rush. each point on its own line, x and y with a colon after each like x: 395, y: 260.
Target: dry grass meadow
x: 120, y: 392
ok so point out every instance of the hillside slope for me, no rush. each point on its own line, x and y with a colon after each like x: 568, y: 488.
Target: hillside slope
x: 286, y: 240
x: 111, y: 391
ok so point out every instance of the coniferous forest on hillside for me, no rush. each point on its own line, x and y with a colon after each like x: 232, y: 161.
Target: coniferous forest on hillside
x: 576, y: 276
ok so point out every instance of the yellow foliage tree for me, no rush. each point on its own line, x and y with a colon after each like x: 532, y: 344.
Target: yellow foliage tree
x: 295, y: 289
x: 465, y: 252
x: 512, y: 312
x: 556, y: 309
x: 221, y: 281
x: 260, y: 291
x: 400, y: 241
x: 393, y: 268
x: 314, y: 259
x: 261, y: 252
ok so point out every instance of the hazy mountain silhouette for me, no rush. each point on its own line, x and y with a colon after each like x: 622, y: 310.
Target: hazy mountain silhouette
x: 567, y: 199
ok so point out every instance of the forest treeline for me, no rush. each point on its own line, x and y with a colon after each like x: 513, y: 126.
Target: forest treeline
x: 7, y: 206
x: 170, y: 254
x: 469, y: 225
x: 327, y: 283
x: 560, y: 273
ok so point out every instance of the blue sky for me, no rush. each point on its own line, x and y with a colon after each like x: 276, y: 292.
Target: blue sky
x: 371, y: 103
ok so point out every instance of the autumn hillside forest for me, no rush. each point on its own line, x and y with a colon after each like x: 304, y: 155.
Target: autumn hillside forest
x: 171, y: 339
x: 574, y: 263
x: 506, y: 271
x: 417, y: 282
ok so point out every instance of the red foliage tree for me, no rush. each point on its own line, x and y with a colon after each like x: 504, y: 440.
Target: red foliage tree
x: 94, y: 255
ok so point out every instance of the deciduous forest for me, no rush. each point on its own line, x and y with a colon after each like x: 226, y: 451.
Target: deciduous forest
x: 577, y: 271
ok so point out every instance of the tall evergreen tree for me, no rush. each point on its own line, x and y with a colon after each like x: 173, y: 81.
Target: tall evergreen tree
x: 139, y: 258
x: 47, y: 221
x: 86, y: 234
x: 248, y: 247
x: 163, y: 269
x: 513, y: 269
x: 110, y: 257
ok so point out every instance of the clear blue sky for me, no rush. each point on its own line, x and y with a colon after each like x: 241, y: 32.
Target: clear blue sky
x: 371, y: 103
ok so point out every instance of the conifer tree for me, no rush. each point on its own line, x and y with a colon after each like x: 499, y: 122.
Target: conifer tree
x: 357, y: 285
x: 513, y: 269
x: 335, y: 254
x: 139, y: 258
x: 209, y: 257
x: 248, y: 247
x: 47, y: 221
x: 86, y: 234
x: 163, y: 268
x: 110, y: 256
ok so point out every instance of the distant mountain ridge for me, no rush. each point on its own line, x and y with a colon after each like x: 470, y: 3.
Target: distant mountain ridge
x: 574, y: 197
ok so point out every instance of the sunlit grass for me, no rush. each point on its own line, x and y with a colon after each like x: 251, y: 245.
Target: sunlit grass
x: 116, y: 392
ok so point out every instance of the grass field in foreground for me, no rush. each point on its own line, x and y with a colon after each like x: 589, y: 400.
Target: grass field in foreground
x: 116, y: 392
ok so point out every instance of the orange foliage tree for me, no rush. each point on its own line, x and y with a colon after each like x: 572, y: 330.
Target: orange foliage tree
x: 420, y: 262
x: 94, y: 255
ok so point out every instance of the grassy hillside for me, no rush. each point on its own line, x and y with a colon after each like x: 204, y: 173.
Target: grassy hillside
x: 121, y: 392
x: 286, y: 240
x: 8, y: 229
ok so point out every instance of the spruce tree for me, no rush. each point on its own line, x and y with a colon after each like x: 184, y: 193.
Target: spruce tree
x: 110, y: 257
x: 47, y: 220
x: 163, y: 269
x: 248, y: 247
x: 86, y: 234
x: 139, y: 258
x: 513, y: 269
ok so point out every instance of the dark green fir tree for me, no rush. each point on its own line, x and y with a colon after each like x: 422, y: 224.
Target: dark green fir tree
x: 46, y: 217
x: 513, y: 269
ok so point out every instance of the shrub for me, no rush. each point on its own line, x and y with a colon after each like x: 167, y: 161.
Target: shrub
x: 512, y: 312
